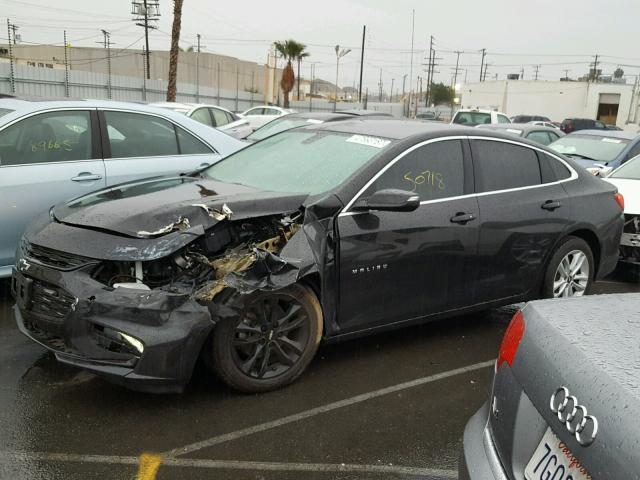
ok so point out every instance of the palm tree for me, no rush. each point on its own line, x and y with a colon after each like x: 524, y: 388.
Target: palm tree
x: 290, y: 50
x: 173, y: 53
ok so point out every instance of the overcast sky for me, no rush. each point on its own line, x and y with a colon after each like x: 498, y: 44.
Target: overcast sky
x: 555, y: 34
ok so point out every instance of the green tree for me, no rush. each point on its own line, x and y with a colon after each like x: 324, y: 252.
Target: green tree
x: 290, y: 50
x: 441, y: 94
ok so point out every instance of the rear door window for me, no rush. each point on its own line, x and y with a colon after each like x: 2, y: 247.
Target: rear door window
x: 540, y: 137
x: 551, y: 169
x: 472, y: 118
x: 133, y: 135
x: 47, y: 137
x: 202, y: 115
x: 255, y: 111
x: 190, y: 145
x: 503, y: 119
x: 433, y: 171
x: 220, y: 117
x: 503, y: 166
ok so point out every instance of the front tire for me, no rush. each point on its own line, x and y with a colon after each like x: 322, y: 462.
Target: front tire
x: 570, y: 271
x: 271, y: 342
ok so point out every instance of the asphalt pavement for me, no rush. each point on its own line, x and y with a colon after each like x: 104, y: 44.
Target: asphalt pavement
x: 392, y: 405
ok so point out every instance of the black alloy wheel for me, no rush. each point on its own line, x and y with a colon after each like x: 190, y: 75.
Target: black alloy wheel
x: 271, y: 342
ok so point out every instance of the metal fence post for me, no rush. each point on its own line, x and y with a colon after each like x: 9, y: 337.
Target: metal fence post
x: 218, y: 82
x: 12, y: 78
x: 66, y: 66
x: 237, y: 87
x: 253, y: 72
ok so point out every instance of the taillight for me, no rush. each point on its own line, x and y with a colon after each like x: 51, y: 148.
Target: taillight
x: 511, y: 341
x: 619, y: 199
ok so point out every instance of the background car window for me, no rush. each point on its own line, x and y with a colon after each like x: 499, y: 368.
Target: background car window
x: 271, y: 111
x: 540, y: 137
x: 635, y: 151
x: 138, y: 135
x: 501, y: 166
x: 48, y: 137
x: 551, y: 169
x: 433, y: 171
x: 472, y: 118
x: 230, y: 117
x: 202, y: 115
x: 599, y: 125
x: 255, y: 111
x: 219, y: 117
x: 190, y: 145
x: 503, y: 119
x: 4, y: 111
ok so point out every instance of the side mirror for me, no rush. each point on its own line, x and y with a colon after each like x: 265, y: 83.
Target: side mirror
x: 390, y: 200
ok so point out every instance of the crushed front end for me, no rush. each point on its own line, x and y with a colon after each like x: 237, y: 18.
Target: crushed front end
x: 139, y: 310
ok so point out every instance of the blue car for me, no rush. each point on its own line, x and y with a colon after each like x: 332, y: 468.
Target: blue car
x: 599, y: 151
x: 54, y: 150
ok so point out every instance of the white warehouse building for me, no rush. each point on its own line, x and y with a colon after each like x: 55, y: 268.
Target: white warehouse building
x: 611, y: 103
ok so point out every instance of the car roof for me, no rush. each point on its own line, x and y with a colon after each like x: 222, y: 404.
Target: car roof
x: 364, y: 113
x: 525, y: 127
x: 607, y: 133
x: 324, y: 116
x: 400, y: 129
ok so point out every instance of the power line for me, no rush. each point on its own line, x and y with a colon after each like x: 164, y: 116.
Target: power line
x: 146, y: 13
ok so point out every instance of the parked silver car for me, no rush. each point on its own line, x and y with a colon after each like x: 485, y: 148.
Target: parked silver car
x: 565, y: 403
x: 213, y: 116
x: 54, y: 150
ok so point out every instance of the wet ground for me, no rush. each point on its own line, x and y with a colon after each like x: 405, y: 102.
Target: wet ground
x: 388, y: 406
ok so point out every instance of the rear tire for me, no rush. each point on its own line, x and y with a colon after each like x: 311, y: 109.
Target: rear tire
x: 272, y: 341
x: 570, y: 270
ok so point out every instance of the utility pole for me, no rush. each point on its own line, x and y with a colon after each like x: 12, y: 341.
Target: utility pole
x: 536, y: 74
x: 595, y: 75
x: 380, y: 87
x: 107, y: 45
x: 484, y: 52
x: 413, y: 28
x: 522, y: 73
x: 146, y: 13
x: 364, y: 33
x: 12, y: 78
x: 66, y: 65
x: 455, y: 80
x: 484, y: 76
x: 144, y: 75
x: 391, y: 93
x: 404, y: 80
x: 566, y: 74
x: 198, y: 69
x: 339, y: 54
x: 14, y: 28
x: 429, y: 68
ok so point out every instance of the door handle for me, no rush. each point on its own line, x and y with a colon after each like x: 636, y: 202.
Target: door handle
x: 202, y: 165
x: 87, y: 177
x: 463, y: 218
x: 551, y: 205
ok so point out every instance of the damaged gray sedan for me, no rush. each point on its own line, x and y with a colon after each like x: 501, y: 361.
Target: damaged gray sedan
x: 327, y: 231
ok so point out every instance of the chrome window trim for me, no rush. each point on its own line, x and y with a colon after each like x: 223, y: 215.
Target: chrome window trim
x: 154, y: 114
x: 574, y: 175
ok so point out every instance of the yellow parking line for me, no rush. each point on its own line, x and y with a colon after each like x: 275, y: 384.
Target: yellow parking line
x: 149, y: 465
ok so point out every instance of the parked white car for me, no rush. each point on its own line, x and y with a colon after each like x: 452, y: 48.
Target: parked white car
x: 259, y: 116
x: 471, y: 117
x: 214, y: 116
x: 627, y: 179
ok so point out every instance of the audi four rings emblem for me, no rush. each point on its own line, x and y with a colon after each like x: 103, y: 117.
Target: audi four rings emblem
x: 574, y: 416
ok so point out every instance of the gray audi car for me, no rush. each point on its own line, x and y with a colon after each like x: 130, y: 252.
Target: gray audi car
x: 565, y: 403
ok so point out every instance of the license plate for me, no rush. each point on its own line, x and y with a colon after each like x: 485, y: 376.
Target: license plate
x: 553, y: 460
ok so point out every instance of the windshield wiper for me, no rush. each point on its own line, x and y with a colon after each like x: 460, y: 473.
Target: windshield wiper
x: 584, y: 157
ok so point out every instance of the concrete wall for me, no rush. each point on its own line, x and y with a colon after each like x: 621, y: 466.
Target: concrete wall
x: 556, y: 100
x: 214, y: 70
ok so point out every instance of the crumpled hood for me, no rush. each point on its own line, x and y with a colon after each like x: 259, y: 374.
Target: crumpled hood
x: 157, y: 207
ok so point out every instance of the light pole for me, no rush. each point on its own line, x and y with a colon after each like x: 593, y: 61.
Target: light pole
x: 339, y: 54
x: 391, y: 93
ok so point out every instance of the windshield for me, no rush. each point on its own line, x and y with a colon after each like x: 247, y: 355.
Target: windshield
x: 299, y: 161
x: 472, y: 118
x: 280, y: 125
x: 4, y: 111
x: 591, y: 147
x: 630, y: 170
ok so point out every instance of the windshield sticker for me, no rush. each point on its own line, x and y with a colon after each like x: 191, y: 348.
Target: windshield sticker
x: 369, y: 141
x: 314, y: 121
x: 611, y: 140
